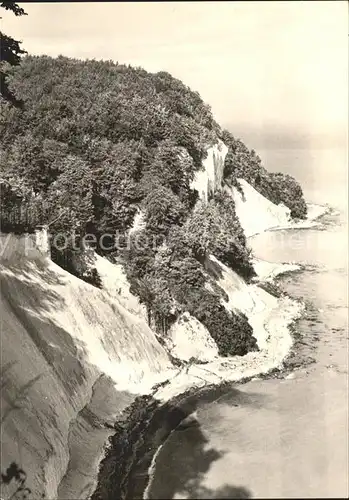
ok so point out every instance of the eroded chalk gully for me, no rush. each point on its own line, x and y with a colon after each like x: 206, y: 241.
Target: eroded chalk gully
x: 128, y: 468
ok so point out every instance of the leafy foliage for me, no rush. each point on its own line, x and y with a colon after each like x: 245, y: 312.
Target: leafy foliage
x: 110, y: 122
x: 232, y: 247
x: 10, y: 53
x: 214, y: 228
x: 171, y: 280
x: 277, y: 187
x: 94, y: 142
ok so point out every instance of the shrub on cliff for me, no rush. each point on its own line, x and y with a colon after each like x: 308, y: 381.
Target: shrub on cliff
x: 279, y: 188
x: 283, y: 188
x: 99, y: 140
x: 214, y: 228
x: 163, y: 209
x: 232, y: 332
x: 233, y: 251
x: 170, y: 280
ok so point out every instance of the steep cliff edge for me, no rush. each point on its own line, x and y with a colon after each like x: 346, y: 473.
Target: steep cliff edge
x: 257, y: 213
x: 73, y: 359
x: 77, y: 356
x: 208, y: 180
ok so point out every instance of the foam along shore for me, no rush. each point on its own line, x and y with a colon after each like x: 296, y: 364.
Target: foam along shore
x: 268, y: 271
x: 91, y: 350
x: 270, y: 317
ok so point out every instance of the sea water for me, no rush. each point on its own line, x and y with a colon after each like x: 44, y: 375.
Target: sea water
x: 282, y: 438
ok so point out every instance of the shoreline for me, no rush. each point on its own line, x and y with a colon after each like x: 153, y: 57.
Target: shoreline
x: 257, y: 365
x: 273, y: 321
x: 286, y: 310
x: 267, y: 273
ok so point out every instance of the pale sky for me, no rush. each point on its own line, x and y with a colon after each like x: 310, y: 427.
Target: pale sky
x: 264, y: 67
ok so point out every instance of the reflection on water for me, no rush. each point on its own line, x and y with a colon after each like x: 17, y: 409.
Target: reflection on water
x: 294, y: 441
x: 182, y: 475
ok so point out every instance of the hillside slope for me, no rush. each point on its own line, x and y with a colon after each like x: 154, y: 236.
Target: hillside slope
x: 76, y: 357
x: 210, y: 178
x: 73, y: 359
x: 130, y: 159
x: 140, y: 149
x: 256, y: 213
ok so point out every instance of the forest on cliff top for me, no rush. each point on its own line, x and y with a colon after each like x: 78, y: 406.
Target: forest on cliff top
x: 94, y: 142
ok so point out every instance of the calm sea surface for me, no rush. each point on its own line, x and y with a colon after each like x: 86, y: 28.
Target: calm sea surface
x: 282, y: 438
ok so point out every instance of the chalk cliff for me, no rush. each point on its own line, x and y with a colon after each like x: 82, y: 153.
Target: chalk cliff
x: 74, y: 356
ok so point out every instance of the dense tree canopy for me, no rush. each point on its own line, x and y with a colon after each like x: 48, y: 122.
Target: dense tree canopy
x: 93, y: 143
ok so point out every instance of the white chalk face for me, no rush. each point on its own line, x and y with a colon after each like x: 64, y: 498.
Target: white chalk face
x: 208, y: 180
x: 78, y: 354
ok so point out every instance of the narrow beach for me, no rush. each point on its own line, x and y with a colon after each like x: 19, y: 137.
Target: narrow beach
x: 271, y: 319
x: 267, y: 437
